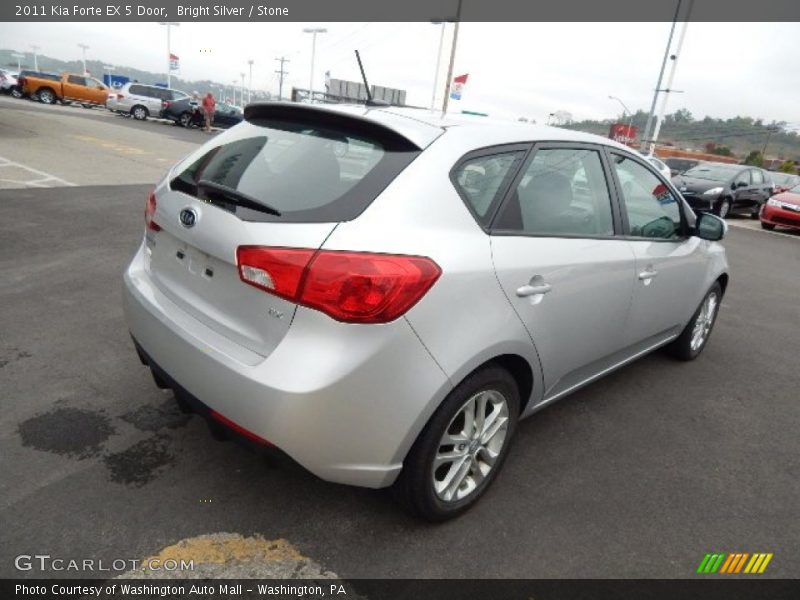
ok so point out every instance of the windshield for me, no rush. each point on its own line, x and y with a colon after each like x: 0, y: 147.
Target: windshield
x: 712, y: 172
x: 785, y: 178
x: 795, y: 189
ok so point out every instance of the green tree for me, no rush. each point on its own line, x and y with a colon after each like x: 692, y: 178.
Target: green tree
x: 755, y: 158
x: 788, y: 166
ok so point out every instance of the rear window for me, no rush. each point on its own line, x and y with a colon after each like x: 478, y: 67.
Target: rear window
x: 308, y: 173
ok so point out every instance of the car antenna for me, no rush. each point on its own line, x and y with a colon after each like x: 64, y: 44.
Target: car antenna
x: 370, y: 101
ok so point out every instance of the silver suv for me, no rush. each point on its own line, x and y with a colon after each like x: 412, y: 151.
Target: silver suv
x: 140, y: 100
x: 382, y: 294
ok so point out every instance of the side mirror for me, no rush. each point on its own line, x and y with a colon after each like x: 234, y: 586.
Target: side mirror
x: 741, y: 184
x: 710, y: 227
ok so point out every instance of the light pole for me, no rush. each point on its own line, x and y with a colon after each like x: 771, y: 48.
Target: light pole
x: 250, y: 81
x: 83, y: 48
x: 438, y: 61
x: 241, y: 100
x: 452, y: 60
x: 109, y: 69
x: 233, y: 91
x: 313, y: 31
x: 169, y: 24
x: 19, y: 56
x: 646, y: 133
x: 35, y: 57
x: 625, y: 110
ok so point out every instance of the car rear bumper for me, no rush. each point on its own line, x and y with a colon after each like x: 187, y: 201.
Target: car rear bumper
x: 780, y: 217
x: 344, y: 401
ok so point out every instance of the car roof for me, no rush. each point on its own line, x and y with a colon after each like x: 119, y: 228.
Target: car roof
x: 423, y: 126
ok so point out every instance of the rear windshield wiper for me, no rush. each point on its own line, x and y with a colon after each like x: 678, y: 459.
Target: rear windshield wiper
x: 237, y: 197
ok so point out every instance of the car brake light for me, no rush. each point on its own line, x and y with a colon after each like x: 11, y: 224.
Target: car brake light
x: 239, y: 429
x: 150, y: 213
x: 353, y: 287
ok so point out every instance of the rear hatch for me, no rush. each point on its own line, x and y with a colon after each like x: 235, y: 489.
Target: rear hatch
x: 280, y: 180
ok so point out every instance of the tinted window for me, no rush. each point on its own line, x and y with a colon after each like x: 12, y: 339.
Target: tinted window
x: 653, y: 211
x: 479, y: 179
x: 712, y: 172
x: 562, y: 192
x: 310, y: 174
x: 76, y: 80
x: 743, y: 178
x: 137, y: 90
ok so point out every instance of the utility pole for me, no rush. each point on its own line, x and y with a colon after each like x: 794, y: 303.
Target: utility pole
x: 242, y: 90
x: 83, y: 48
x: 19, y: 56
x: 35, y: 56
x: 668, y: 89
x: 770, y: 131
x: 281, y: 74
x: 646, y: 133
x: 452, y: 60
x: 169, y: 25
x: 250, y: 81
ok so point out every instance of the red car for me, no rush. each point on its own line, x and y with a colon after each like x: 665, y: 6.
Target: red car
x: 782, y: 210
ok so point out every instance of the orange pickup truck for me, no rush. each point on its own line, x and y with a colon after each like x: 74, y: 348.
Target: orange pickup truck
x: 66, y: 87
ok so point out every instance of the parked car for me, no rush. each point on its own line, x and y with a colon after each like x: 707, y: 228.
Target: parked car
x: 141, y: 101
x: 184, y: 113
x: 8, y: 81
x: 784, y: 181
x: 65, y: 88
x: 679, y: 166
x: 384, y: 315
x: 782, y: 210
x: 660, y: 166
x: 724, y: 188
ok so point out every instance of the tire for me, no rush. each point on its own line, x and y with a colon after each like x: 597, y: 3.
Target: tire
x: 185, y: 120
x: 16, y: 92
x: 46, y: 96
x: 687, y: 346
x: 139, y: 112
x: 767, y: 226
x: 723, y: 208
x: 756, y: 213
x: 422, y: 489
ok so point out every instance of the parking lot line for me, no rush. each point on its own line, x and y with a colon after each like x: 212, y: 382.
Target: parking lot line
x: 42, y: 179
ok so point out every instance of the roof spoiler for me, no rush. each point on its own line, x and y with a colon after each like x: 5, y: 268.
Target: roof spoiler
x: 262, y: 113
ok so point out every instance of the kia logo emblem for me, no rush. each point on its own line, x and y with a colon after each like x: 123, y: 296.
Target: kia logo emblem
x: 188, y: 217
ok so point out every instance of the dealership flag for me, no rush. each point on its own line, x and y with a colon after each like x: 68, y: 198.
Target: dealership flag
x: 458, y: 86
x: 174, y: 64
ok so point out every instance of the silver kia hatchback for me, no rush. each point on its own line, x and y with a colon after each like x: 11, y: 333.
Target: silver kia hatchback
x: 382, y: 294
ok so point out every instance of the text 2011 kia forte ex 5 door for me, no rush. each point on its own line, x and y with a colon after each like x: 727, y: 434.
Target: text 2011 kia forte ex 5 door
x: 381, y: 294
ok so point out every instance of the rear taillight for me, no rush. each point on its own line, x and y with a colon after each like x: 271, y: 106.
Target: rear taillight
x: 354, y: 287
x: 150, y: 213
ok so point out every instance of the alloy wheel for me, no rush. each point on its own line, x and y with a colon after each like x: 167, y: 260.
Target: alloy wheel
x: 705, y: 319
x: 470, y: 446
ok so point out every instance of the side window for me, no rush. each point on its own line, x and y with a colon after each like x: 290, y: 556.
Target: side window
x: 479, y: 179
x: 758, y: 177
x: 74, y: 79
x: 742, y: 178
x: 562, y: 192
x: 653, y: 211
x: 136, y: 90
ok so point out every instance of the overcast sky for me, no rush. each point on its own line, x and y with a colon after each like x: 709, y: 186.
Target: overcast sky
x: 515, y: 69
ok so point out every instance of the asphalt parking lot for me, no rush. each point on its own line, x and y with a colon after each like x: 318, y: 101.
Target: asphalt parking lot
x: 639, y: 475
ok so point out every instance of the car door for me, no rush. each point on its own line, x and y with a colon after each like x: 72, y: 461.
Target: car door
x: 74, y: 86
x: 743, y: 190
x: 567, y: 275
x: 761, y: 189
x: 670, y: 264
x: 96, y: 91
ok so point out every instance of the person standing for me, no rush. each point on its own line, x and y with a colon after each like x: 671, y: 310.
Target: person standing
x: 209, y: 107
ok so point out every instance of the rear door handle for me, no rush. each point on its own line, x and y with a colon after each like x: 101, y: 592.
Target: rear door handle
x: 648, y: 274
x: 533, y: 290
